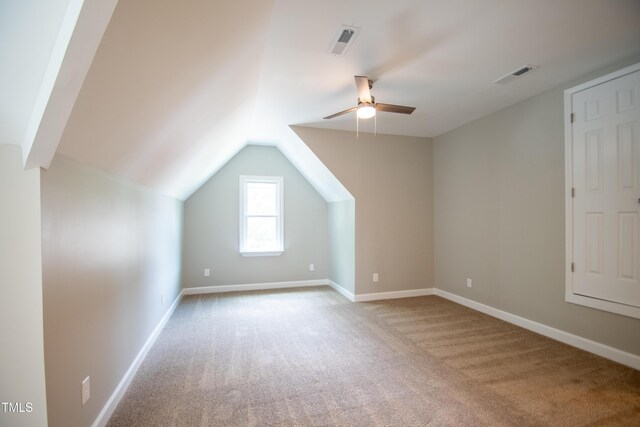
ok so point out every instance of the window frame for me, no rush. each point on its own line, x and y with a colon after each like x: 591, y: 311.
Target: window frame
x: 279, y: 181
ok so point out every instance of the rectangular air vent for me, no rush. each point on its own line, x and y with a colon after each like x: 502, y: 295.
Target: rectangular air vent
x: 344, y: 39
x: 521, y: 71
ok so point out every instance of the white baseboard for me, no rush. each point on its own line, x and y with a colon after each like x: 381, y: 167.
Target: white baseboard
x: 603, y: 350
x: 393, y: 295
x: 351, y: 297
x: 103, y: 417
x: 253, y: 287
x: 303, y: 283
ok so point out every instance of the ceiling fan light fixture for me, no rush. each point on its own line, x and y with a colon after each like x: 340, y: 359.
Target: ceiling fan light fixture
x: 366, y: 111
x: 367, y: 105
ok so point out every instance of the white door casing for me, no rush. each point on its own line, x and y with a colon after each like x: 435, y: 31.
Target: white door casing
x: 603, y: 175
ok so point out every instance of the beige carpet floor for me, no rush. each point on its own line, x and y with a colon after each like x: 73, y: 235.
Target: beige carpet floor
x: 309, y: 357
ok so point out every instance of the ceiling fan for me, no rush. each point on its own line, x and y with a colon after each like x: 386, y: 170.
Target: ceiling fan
x: 367, y: 105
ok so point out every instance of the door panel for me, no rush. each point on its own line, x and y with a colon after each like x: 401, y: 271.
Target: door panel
x: 594, y: 161
x: 595, y: 243
x: 628, y: 245
x: 627, y: 157
x: 627, y: 99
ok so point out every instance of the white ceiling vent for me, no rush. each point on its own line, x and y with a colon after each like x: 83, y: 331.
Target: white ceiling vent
x: 344, y: 39
x: 521, y: 71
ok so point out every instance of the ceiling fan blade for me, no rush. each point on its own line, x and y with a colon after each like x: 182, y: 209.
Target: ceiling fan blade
x: 390, y: 108
x: 341, y: 113
x: 363, y: 88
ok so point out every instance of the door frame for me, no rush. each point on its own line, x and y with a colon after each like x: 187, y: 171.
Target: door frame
x: 614, y: 307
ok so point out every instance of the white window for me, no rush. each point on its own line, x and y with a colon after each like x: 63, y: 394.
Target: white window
x: 261, y: 215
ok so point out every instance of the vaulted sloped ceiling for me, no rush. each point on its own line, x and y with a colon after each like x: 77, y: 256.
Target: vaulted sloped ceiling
x: 178, y: 87
x: 169, y: 96
x: 28, y: 31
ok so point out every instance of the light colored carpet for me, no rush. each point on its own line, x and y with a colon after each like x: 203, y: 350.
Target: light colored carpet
x: 310, y: 357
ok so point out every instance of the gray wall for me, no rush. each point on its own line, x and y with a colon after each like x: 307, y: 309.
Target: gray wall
x: 22, y: 377
x: 109, y: 249
x: 211, y: 221
x: 499, y: 218
x: 342, y: 244
x: 391, y: 180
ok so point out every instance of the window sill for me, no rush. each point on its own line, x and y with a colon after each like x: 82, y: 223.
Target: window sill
x: 261, y: 253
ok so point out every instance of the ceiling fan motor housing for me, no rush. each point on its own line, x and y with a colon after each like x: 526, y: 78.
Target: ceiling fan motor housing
x: 361, y: 102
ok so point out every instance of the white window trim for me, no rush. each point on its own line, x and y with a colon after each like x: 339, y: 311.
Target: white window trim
x: 569, y: 295
x: 243, y: 215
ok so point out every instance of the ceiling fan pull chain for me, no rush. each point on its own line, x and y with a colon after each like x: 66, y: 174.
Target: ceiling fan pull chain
x: 357, y: 127
x: 375, y: 125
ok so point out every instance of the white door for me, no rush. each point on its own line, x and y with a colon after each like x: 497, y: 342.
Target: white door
x: 606, y: 181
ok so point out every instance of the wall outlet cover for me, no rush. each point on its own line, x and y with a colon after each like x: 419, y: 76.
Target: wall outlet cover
x: 312, y: 267
x: 469, y: 283
x: 207, y: 272
x: 375, y: 277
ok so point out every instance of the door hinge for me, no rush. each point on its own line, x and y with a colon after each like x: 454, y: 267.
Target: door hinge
x: 573, y: 268
x: 573, y: 192
x: 573, y: 117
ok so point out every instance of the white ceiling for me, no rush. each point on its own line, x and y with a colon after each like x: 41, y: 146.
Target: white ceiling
x: 177, y: 88
x: 439, y: 56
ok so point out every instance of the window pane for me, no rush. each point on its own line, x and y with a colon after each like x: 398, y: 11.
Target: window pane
x: 261, y: 233
x: 261, y: 198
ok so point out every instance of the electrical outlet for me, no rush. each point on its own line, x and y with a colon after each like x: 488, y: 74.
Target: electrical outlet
x: 375, y: 277
x: 469, y: 283
x: 86, y: 390
x: 312, y: 267
x: 207, y: 272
